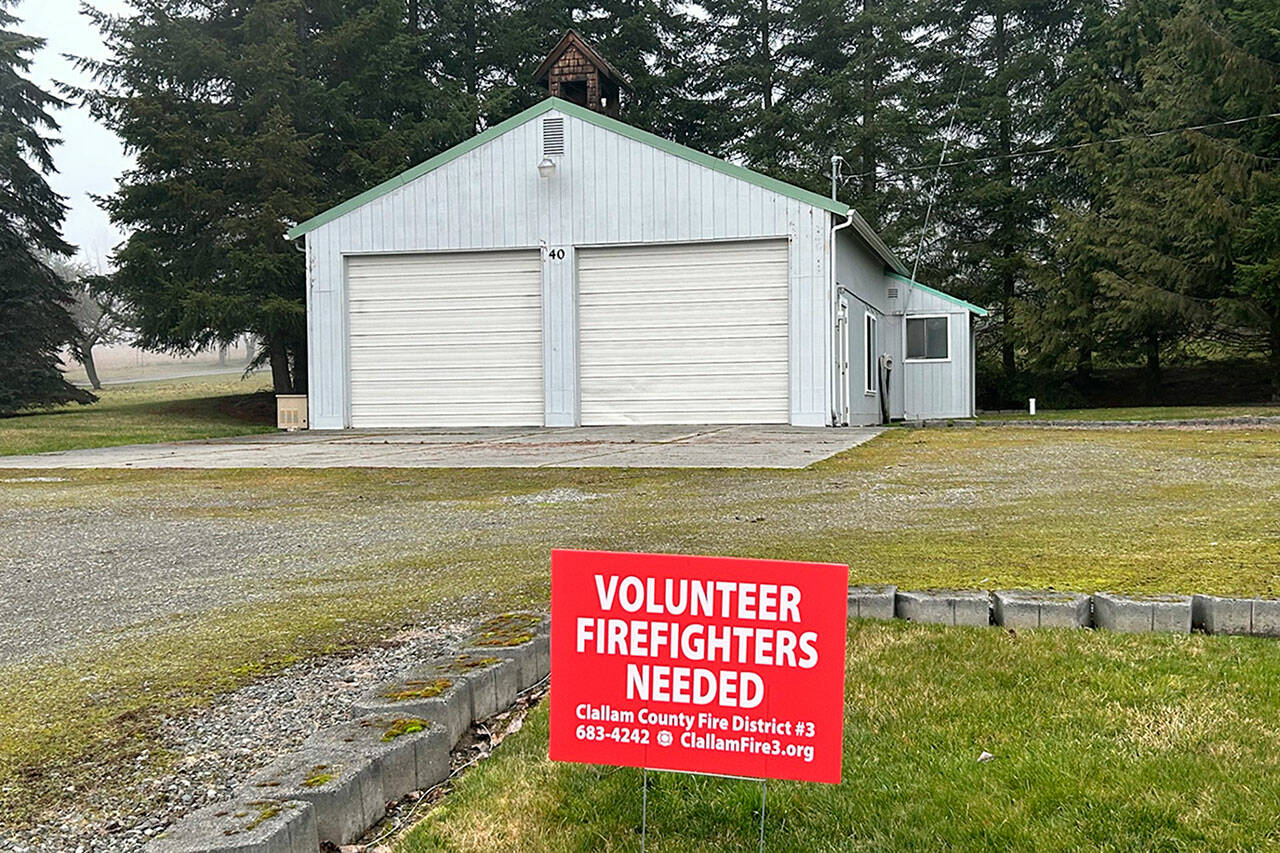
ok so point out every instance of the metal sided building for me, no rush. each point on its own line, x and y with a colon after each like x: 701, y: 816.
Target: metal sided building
x: 563, y: 268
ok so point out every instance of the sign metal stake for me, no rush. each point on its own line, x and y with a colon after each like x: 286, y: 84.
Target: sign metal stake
x: 764, y: 786
x: 644, y: 808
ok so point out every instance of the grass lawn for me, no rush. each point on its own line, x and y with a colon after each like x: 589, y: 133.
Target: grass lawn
x: 1101, y: 742
x: 1141, y: 510
x: 1138, y: 413
x: 172, y: 410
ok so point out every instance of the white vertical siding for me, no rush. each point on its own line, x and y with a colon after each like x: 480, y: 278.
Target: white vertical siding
x: 608, y: 189
x: 942, y: 389
x: 862, y: 274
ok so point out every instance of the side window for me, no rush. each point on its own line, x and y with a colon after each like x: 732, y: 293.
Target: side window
x: 928, y: 338
x: 871, y: 361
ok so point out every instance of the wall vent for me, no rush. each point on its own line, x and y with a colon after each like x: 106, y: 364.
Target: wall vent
x: 552, y: 136
x: 893, y: 293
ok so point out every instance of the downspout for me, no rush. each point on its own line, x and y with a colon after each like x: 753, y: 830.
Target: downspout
x: 834, y: 298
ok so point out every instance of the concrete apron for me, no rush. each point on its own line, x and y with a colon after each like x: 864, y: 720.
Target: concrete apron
x: 577, y: 447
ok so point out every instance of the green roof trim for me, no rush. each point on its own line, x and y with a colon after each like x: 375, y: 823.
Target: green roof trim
x: 981, y: 312
x: 611, y: 124
x: 418, y: 171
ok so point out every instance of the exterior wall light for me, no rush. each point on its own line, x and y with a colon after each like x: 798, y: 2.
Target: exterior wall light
x: 547, y: 167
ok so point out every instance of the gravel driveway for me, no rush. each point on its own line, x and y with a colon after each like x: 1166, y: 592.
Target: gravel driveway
x: 82, y: 563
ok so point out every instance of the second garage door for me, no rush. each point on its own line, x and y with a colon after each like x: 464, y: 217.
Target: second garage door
x: 688, y: 333
x: 446, y: 339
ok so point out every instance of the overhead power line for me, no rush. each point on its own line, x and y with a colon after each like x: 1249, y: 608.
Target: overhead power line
x: 1057, y: 149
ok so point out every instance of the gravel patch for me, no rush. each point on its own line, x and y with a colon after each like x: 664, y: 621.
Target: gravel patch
x: 74, y: 575
x: 216, y: 748
x: 554, y: 496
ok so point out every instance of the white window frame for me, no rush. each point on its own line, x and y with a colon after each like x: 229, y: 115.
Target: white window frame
x: 910, y: 317
x: 870, y: 373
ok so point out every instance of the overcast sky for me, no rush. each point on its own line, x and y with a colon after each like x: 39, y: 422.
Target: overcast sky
x: 90, y: 157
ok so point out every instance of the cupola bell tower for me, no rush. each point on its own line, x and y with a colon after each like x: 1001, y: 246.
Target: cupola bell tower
x: 575, y: 71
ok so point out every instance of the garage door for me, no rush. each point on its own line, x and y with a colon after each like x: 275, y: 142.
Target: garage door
x: 446, y: 339
x: 684, y: 334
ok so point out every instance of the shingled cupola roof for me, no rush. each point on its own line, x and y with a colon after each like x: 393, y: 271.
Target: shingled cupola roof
x: 576, y: 72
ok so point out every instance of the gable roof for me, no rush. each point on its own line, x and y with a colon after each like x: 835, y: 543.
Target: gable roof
x: 981, y: 312
x: 611, y: 124
x: 571, y: 37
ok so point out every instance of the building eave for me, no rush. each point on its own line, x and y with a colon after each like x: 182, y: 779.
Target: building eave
x: 974, y: 309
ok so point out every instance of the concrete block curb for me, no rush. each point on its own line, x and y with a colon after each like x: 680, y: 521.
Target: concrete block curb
x: 491, y: 680
x: 522, y: 657
x: 542, y: 655
x: 515, y: 636
x: 872, y: 602
x: 1022, y: 608
x: 410, y: 754
x: 1266, y: 617
x: 424, y: 694
x: 342, y: 784
x: 1142, y: 614
x: 944, y: 606
x: 243, y: 825
x: 1215, y: 615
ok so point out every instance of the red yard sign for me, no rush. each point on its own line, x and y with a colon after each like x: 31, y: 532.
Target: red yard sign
x: 700, y: 664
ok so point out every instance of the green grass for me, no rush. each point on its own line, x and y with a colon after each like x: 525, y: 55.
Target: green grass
x: 1142, y: 511
x: 1139, y: 413
x: 1101, y: 742
x: 195, y: 407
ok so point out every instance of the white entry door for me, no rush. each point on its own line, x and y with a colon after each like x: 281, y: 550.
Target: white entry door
x: 692, y: 333
x: 445, y: 339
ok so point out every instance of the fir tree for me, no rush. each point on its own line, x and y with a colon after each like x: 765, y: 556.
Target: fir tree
x: 34, y: 301
x: 1001, y: 62
x: 859, y: 92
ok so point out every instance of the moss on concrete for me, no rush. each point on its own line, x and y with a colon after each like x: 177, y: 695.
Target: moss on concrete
x: 400, y: 728
x: 407, y: 691
x: 320, y: 775
x: 462, y: 664
x: 508, y: 629
x: 267, y: 809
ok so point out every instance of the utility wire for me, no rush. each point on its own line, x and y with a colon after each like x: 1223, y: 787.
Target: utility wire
x: 933, y: 190
x: 1038, y: 152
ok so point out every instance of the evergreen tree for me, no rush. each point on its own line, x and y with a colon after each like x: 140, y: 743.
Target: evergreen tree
x: 1063, y: 319
x: 246, y: 116
x: 34, y: 301
x: 214, y: 101
x: 1002, y: 61
x: 857, y: 88
x: 655, y: 44
x: 745, y: 81
x: 1186, y: 208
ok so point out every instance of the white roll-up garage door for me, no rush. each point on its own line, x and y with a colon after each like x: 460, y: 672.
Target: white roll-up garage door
x: 691, y: 333
x: 446, y: 339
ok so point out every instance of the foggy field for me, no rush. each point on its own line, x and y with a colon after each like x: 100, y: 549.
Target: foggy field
x: 211, y: 406
x: 134, y: 594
